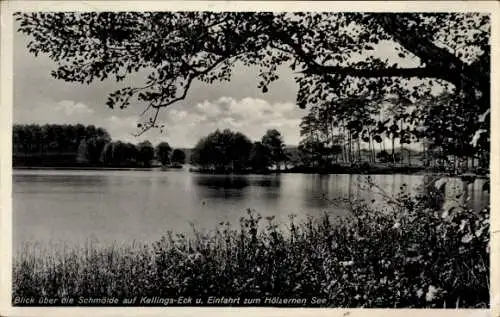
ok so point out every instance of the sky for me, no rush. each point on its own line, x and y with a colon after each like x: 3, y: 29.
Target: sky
x: 238, y: 105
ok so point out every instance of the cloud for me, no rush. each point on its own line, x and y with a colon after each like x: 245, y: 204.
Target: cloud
x: 53, y: 111
x: 121, y: 128
x: 184, y: 126
x: 71, y: 108
x: 251, y: 116
x: 122, y: 122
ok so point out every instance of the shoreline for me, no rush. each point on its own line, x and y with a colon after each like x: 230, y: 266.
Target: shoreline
x: 86, y: 168
x: 342, y: 171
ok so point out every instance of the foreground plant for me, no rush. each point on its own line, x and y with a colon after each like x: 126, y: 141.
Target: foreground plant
x: 409, y: 254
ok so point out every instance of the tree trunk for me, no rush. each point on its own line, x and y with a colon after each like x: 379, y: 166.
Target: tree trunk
x: 424, y: 154
x: 455, y: 164
x: 373, y: 149
x: 349, y: 147
x: 344, y: 147
x: 400, y: 141
x: 359, y: 149
x: 370, y: 149
x: 344, y: 152
x: 392, y: 152
x: 381, y: 149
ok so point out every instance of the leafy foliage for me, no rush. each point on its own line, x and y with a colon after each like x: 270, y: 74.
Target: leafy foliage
x: 333, y: 127
x: 42, y: 141
x: 179, y: 156
x: 145, y: 153
x: 331, y: 53
x: 222, y: 151
x: 118, y: 153
x: 451, y: 122
x: 79, y: 145
x: 260, y: 157
x: 450, y: 127
x: 274, y: 142
x: 163, y: 151
x: 228, y: 151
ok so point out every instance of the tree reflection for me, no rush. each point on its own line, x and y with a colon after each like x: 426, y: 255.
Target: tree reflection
x: 274, y: 182
x: 226, y: 186
x: 222, y: 182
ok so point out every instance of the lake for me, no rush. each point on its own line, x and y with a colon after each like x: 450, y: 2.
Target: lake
x: 117, y: 205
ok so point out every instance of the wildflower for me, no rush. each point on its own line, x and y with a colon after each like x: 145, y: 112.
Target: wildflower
x: 462, y: 225
x: 396, y: 225
x: 420, y: 293
x: 347, y: 263
x: 194, y: 257
x: 479, y: 231
x: 431, y: 293
x: 467, y: 238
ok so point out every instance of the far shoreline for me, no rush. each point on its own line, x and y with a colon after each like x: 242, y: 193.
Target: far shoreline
x: 404, y: 170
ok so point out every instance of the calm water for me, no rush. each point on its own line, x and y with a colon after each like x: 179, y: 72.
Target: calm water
x: 75, y: 206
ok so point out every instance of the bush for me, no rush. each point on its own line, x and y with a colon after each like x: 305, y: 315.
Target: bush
x: 408, y: 254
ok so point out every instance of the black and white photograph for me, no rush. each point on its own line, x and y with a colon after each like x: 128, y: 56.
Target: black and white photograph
x: 238, y: 157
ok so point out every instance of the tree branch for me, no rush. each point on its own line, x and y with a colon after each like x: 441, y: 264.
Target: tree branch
x: 151, y: 123
x: 440, y: 63
x: 450, y: 67
x: 190, y: 79
x: 421, y: 72
x: 313, y: 67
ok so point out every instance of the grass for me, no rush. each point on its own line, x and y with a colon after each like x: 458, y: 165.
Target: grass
x: 410, y: 254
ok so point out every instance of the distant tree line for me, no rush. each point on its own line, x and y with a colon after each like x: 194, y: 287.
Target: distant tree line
x: 79, y: 145
x: 331, y: 141
x: 228, y: 151
x: 353, y: 130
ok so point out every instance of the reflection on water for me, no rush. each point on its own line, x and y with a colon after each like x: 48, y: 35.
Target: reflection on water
x: 236, y: 181
x: 268, y: 182
x: 223, y: 186
x: 222, y: 181
x: 142, y: 205
x: 59, y: 183
x: 237, y: 186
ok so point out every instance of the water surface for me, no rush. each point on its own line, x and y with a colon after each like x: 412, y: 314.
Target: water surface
x: 74, y: 206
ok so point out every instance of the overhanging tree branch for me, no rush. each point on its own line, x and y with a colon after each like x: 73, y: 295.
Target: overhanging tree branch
x: 165, y: 41
x: 421, y: 72
x: 193, y: 74
x: 451, y: 67
x: 313, y: 67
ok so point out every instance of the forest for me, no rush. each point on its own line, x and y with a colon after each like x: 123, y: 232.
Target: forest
x: 435, y: 132
x: 54, y: 145
x: 348, y: 137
